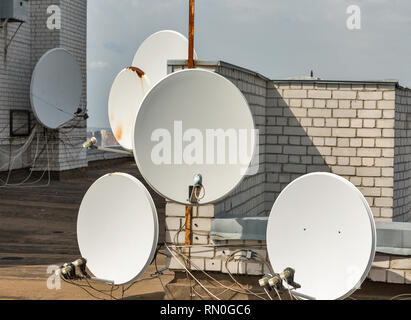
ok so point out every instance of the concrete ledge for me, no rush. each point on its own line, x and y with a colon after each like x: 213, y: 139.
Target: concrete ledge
x: 394, y: 238
x: 239, y: 229
x: 96, y: 155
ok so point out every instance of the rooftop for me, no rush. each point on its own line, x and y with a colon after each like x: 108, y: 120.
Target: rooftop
x: 38, y: 229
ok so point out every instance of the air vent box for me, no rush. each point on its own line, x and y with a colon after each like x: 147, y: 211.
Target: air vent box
x: 14, y: 10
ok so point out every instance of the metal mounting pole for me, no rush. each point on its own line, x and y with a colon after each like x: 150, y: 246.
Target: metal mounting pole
x: 189, y: 209
x: 191, y: 34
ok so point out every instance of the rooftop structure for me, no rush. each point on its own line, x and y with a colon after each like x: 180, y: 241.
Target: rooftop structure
x: 356, y: 129
x: 58, y: 150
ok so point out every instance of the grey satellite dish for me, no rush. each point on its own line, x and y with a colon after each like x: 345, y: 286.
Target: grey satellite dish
x: 194, y: 127
x: 56, y: 88
x: 322, y: 227
x: 117, y: 228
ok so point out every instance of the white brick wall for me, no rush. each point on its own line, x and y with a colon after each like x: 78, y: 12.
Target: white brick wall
x: 391, y: 269
x: 13, y: 88
x: 351, y: 133
x: 402, y: 160
x: 31, y: 42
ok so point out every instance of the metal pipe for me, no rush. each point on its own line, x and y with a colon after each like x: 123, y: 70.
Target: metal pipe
x: 111, y: 282
x: 191, y: 34
x: 302, y: 296
x: 91, y: 144
x: 113, y: 150
x: 188, y: 220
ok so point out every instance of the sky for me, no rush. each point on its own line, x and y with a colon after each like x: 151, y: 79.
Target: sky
x: 277, y: 38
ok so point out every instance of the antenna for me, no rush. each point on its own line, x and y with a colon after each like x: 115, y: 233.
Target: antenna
x: 117, y: 229
x: 191, y: 34
x: 321, y: 232
x: 56, y: 88
x: 194, y: 137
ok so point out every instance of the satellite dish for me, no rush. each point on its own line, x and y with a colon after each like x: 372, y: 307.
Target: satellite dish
x: 117, y: 228
x: 178, y: 134
x: 156, y: 50
x: 131, y: 85
x: 323, y: 228
x: 127, y: 92
x: 56, y: 88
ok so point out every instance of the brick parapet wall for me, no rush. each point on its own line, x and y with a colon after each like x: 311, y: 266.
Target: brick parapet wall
x: 391, y: 269
x: 248, y: 198
x: 346, y: 129
x: 402, y: 160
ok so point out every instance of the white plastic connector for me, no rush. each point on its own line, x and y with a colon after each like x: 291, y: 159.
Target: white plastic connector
x: 90, y: 143
x: 79, y: 262
x: 273, y: 282
x: 249, y: 254
x: 263, y: 282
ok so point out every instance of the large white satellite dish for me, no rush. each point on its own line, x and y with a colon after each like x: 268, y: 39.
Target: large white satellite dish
x: 56, y: 88
x: 171, y: 144
x: 127, y: 92
x: 117, y: 228
x: 323, y: 228
x: 156, y: 50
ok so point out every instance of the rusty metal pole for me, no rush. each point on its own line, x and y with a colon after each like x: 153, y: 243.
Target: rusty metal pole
x: 189, y: 209
x: 188, y: 216
x: 191, y: 34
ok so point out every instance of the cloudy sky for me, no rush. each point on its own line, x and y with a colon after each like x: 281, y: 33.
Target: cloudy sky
x: 277, y: 38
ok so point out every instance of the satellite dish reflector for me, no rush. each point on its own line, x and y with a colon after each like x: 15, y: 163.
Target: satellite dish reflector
x: 323, y: 228
x: 56, y: 88
x: 117, y: 228
x: 126, y: 95
x: 194, y: 123
x: 156, y: 50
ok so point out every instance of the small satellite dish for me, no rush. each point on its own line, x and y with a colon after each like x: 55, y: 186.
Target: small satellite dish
x: 194, y: 123
x: 117, y: 228
x: 56, y: 88
x: 323, y: 228
x: 156, y: 50
x: 126, y: 95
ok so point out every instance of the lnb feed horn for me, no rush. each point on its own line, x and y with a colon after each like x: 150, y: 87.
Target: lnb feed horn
x: 288, y: 276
